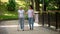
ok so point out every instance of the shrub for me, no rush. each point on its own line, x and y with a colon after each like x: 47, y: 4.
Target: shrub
x: 11, y: 5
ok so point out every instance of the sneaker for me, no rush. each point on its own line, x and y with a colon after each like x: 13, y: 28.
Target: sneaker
x: 30, y: 28
x: 22, y: 29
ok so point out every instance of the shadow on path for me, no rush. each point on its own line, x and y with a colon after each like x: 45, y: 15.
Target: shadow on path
x: 3, y: 30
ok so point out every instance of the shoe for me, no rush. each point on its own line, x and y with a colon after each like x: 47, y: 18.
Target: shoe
x: 22, y: 29
x: 30, y: 28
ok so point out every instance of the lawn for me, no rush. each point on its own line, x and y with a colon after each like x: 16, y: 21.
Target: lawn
x: 8, y: 15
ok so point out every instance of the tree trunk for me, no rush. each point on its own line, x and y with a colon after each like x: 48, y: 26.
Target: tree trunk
x: 44, y: 5
x: 37, y: 5
x: 32, y: 3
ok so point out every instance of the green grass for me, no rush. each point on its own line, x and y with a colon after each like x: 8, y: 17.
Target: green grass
x: 7, y: 15
x: 2, y: 17
x: 10, y: 15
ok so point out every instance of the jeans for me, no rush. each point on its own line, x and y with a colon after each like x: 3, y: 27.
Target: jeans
x: 31, y: 23
x: 21, y: 22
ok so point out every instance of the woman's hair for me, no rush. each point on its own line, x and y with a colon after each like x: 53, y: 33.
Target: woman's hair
x: 31, y: 6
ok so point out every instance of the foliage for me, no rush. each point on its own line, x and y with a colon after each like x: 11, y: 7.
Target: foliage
x: 51, y: 4
x: 54, y: 5
x: 5, y: 14
x: 11, y: 5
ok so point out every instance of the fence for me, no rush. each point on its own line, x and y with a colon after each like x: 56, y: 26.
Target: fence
x: 52, y: 18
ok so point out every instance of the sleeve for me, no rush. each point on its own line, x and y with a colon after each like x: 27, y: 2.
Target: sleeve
x: 23, y: 11
x: 18, y: 12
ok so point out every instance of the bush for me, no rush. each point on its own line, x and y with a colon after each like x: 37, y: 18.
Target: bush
x: 11, y: 5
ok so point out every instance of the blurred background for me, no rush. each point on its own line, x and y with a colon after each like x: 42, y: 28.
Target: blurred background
x: 48, y: 11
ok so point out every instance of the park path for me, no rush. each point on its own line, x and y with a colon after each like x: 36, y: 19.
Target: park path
x: 11, y: 27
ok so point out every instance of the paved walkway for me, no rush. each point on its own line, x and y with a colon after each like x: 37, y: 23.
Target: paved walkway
x: 11, y: 27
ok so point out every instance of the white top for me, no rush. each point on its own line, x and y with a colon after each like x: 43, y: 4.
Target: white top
x: 30, y: 13
x: 21, y: 13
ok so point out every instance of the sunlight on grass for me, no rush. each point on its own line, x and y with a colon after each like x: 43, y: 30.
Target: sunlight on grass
x: 4, y: 0
x: 9, y: 14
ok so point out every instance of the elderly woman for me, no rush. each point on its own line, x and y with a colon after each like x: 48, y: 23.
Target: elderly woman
x: 21, y: 18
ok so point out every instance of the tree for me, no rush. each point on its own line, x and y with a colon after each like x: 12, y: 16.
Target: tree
x: 32, y: 3
x: 54, y: 5
x: 11, y: 5
x: 37, y: 2
x: 57, y: 2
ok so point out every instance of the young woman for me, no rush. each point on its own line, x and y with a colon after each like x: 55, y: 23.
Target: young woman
x: 21, y: 17
x: 30, y: 17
